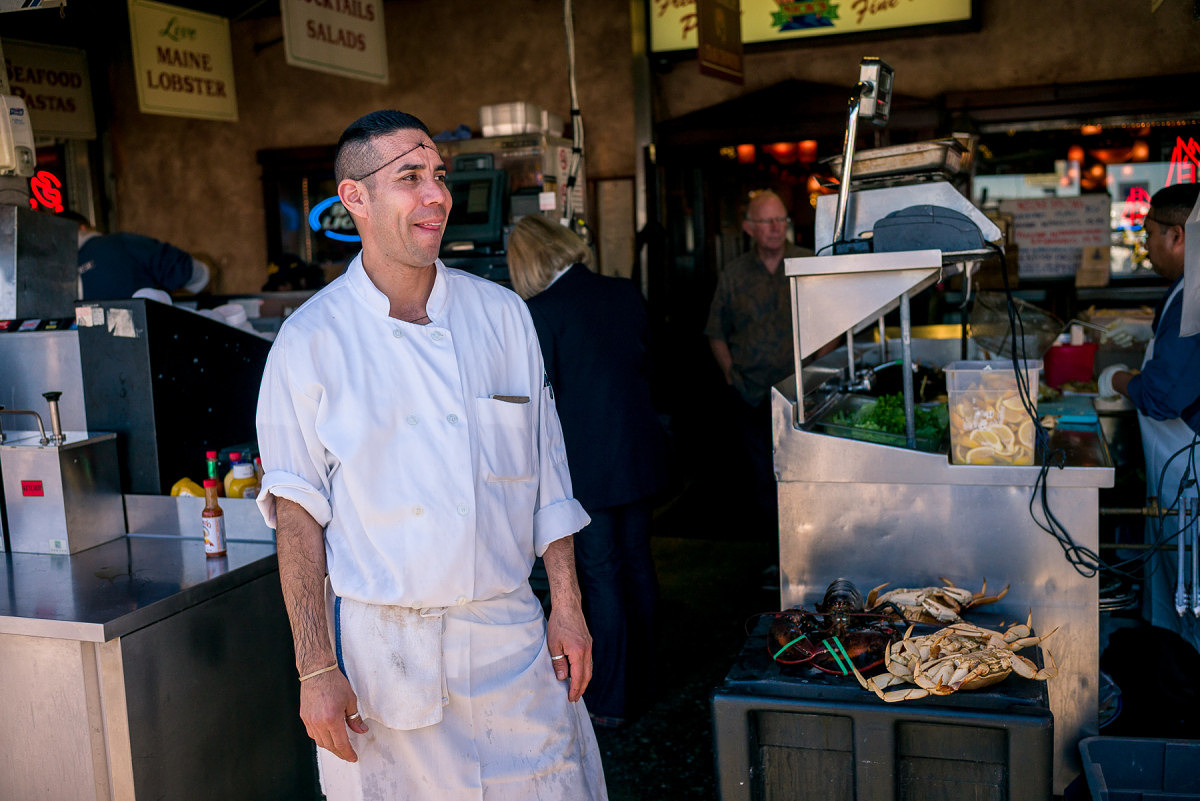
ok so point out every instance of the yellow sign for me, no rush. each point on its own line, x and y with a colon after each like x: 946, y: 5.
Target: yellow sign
x: 673, y: 22
x: 342, y: 37
x: 53, y: 81
x: 182, y: 62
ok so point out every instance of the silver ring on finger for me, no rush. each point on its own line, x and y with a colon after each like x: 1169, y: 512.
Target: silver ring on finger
x: 556, y: 658
x: 355, y: 716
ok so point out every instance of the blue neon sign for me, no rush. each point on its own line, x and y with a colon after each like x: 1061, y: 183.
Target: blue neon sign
x: 330, y: 223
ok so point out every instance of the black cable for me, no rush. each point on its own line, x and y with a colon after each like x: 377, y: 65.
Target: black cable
x: 1084, y: 560
x: 1188, y: 479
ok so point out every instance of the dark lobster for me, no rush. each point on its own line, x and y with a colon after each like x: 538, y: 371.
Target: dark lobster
x: 843, y: 634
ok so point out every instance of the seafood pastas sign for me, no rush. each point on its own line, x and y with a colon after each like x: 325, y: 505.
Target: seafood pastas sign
x: 673, y: 23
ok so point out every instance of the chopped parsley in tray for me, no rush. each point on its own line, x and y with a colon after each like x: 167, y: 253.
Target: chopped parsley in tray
x: 886, y: 415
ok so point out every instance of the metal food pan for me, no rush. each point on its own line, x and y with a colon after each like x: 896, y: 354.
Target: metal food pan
x: 943, y: 155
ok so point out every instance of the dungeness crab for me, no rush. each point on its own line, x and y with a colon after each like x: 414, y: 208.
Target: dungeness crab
x: 958, y: 657
x: 931, y: 604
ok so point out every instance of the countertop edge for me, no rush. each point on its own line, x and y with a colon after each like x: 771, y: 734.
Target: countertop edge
x: 128, y: 622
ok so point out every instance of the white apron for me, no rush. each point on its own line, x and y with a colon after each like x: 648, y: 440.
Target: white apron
x: 507, y: 731
x: 1161, y: 439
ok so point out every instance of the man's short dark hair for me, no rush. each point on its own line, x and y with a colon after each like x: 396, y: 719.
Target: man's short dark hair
x: 355, y: 155
x: 1171, y: 205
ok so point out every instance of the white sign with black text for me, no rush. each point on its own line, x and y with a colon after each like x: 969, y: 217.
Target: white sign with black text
x: 341, y: 37
x: 53, y: 81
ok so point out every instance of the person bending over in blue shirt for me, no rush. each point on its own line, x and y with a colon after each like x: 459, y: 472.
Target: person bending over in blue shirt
x: 118, y: 265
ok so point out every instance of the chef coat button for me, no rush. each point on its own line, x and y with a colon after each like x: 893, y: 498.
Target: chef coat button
x: 462, y: 509
x: 437, y: 336
x: 452, y: 419
x: 397, y: 333
x: 418, y: 511
x: 411, y: 419
x: 462, y: 600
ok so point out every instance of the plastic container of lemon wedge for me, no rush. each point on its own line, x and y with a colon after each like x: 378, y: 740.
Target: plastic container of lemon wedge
x: 989, y: 423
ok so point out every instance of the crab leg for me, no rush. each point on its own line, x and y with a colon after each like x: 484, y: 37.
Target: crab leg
x: 1023, y: 667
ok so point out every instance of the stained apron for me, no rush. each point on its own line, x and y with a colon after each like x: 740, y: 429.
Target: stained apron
x: 507, y: 733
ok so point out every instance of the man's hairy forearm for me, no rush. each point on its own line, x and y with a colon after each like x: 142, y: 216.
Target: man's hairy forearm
x: 300, y: 543
x: 559, y: 559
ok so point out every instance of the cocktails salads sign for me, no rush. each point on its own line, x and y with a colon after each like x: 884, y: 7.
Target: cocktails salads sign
x: 182, y: 61
x: 341, y: 37
x: 673, y: 22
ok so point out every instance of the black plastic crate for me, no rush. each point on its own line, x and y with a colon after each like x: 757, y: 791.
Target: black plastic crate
x: 783, y: 733
x: 1141, y: 769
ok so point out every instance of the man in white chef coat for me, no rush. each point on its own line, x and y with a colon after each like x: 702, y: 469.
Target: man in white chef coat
x: 413, y: 456
x: 1166, y: 393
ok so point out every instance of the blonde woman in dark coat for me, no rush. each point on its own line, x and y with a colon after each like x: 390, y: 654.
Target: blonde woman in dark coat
x: 593, y: 332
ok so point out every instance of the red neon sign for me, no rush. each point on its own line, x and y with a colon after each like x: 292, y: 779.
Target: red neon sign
x: 1137, y: 206
x: 45, y: 187
x: 1185, y: 161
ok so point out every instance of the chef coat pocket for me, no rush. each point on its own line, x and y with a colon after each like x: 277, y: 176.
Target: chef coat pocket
x: 392, y: 656
x: 506, y: 437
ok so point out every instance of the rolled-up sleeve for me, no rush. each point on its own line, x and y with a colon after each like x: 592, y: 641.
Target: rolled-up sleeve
x: 294, y: 460
x: 556, y: 514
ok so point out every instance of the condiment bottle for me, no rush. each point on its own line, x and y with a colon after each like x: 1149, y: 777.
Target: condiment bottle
x: 234, y: 458
x: 244, y: 483
x: 213, y: 519
x: 211, y: 458
x: 185, y: 486
x: 258, y: 469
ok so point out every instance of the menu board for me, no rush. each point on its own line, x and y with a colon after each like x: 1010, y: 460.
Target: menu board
x: 1052, y: 232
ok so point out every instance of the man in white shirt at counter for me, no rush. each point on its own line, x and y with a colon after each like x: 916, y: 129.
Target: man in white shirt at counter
x: 414, y: 454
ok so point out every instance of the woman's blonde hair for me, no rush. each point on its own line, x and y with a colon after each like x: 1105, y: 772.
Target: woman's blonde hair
x: 537, y: 249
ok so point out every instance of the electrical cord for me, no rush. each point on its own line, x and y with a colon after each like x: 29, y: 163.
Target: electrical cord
x: 1084, y: 560
x: 569, y: 211
x: 1187, y: 480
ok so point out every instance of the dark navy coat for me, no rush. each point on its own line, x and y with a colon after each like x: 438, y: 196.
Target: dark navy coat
x: 593, y: 331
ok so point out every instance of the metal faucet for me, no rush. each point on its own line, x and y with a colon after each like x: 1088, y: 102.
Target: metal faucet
x: 55, y: 421
x: 44, y: 440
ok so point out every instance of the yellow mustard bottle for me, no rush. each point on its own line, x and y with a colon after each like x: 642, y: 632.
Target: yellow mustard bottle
x: 234, y: 458
x: 243, y: 484
x: 185, y: 486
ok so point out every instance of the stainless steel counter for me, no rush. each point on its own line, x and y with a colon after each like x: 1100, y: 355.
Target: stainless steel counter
x: 121, y: 586
x: 141, y: 669
x: 876, y: 514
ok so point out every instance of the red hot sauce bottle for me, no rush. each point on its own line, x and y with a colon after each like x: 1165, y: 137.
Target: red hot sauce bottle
x: 213, y: 518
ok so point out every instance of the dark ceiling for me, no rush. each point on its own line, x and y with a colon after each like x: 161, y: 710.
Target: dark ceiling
x: 81, y: 22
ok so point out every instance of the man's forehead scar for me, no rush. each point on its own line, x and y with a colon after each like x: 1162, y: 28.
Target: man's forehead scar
x: 394, y: 159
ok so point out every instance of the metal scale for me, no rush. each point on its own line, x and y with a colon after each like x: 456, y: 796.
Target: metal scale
x: 62, y: 490
x: 879, y: 513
